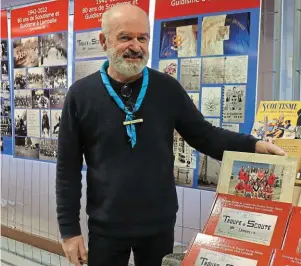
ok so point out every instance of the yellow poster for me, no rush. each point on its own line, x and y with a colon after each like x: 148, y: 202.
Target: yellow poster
x: 278, y: 120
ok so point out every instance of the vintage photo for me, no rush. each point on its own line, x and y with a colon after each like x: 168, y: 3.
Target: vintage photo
x: 35, y: 78
x: 48, y: 150
x: 22, y: 99
x: 226, y: 34
x: 5, y: 103
x: 4, y: 86
x: 86, y: 68
x: 179, y: 38
x: 234, y: 103
x: 277, y: 120
x: 56, y: 77
x: 33, y: 123
x: 211, y: 101
x: 53, y: 49
x: 4, y: 69
x: 261, y: 176
x: 55, y: 123
x: 6, y: 126
x: 20, y: 79
x: 87, y: 45
x: 190, y: 74
x: 26, y: 52
x: 21, y: 122
x: 169, y: 67
x: 183, y: 176
x: 40, y: 98
x: 27, y: 147
x: 256, y: 180
x: 57, y: 98
x: 3, y: 50
x: 45, y: 123
x: 208, y: 172
x: 214, y: 121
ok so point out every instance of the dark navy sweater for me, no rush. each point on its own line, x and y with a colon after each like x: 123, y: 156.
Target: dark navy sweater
x: 130, y: 191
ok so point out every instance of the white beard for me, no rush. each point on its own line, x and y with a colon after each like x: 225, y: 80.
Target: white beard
x: 123, y: 67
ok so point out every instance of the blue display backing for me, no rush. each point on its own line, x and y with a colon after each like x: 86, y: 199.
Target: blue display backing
x: 251, y: 85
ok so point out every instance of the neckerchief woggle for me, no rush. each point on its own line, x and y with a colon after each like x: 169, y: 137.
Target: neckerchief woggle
x: 130, y: 128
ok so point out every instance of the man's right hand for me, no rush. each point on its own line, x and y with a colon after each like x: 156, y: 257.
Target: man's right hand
x: 74, y: 249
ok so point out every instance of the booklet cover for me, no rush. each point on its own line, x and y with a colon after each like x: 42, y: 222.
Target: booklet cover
x: 212, y: 250
x: 282, y: 258
x: 278, y: 120
x: 251, y: 220
x: 258, y: 176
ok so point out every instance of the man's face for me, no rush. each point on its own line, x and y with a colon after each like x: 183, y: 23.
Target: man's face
x: 127, y: 44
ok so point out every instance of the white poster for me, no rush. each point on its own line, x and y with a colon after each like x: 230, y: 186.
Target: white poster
x: 33, y: 123
x: 191, y: 74
x: 211, y: 101
x: 86, y: 68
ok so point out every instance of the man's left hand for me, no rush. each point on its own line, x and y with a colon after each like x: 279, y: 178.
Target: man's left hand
x: 268, y: 148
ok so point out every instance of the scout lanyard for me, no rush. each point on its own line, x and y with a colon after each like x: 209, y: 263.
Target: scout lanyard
x: 129, y: 122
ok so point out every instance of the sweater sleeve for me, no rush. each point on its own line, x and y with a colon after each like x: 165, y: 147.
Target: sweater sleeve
x: 68, y: 172
x: 203, y: 136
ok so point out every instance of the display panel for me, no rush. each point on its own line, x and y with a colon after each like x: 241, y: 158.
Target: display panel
x: 211, y: 48
x: 40, y: 55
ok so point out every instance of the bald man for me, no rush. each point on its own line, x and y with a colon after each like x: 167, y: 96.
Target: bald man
x: 122, y: 119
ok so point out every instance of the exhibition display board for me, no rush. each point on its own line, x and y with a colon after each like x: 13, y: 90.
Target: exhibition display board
x: 39, y: 36
x: 6, y: 121
x: 211, y: 47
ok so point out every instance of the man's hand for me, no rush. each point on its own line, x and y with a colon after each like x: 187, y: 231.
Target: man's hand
x: 268, y: 148
x: 74, y: 249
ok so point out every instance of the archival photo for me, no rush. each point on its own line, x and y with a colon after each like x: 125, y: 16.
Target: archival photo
x: 35, y: 78
x: 6, y: 126
x: 3, y: 50
x: 57, y: 98
x: 88, y: 45
x: 23, y: 99
x: 211, y: 101
x: 179, y: 38
x: 40, y: 99
x: 227, y: 34
x: 33, y: 123
x: 21, y: 122
x: 4, y: 69
x: 20, y: 79
x: 234, y: 103
x: 26, y: 52
x: 183, y: 176
x: 27, y: 147
x: 86, y: 68
x: 56, y: 77
x: 45, y: 123
x: 48, y: 150
x: 260, y: 176
x: 53, y: 49
x: 55, y: 123
x: 169, y: 67
x: 190, y: 74
x: 208, y: 172
x: 4, y: 86
x: 277, y: 120
x: 5, y: 103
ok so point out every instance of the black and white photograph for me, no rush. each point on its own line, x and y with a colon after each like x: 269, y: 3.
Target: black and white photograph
x: 183, y: 176
x: 35, y: 78
x: 4, y: 69
x: 56, y: 77
x: 27, y: 147
x: 53, y: 49
x: 6, y: 127
x: 26, y: 52
x: 208, y: 172
x: 48, y: 150
x: 3, y: 50
x: 23, y: 99
x: 5, y: 104
x: 21, y: 122
x: 20, y: 79
x: 45, y: 124
x: 40, y: 99
x: 55, y: 123
x: 57, y: 98
x: 5, y: 86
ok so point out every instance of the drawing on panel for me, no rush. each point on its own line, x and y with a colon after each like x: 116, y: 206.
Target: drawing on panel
x: 211, y: 101
x: 169, y: 67
x: 190, y: 74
